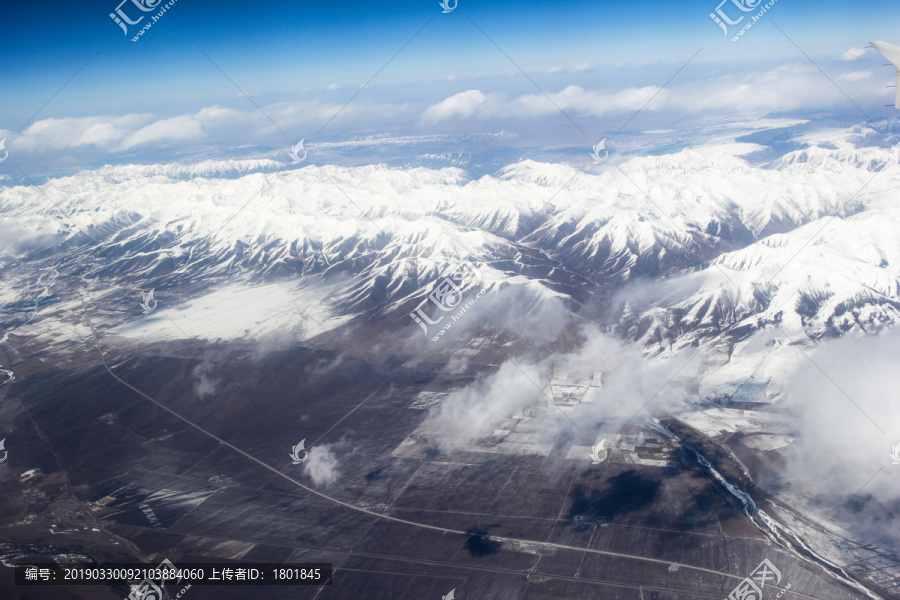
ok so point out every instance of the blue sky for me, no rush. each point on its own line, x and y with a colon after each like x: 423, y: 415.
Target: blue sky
x: 300, y: 62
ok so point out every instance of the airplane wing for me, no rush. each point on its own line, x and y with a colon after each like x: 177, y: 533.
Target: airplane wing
x: 892, y: 53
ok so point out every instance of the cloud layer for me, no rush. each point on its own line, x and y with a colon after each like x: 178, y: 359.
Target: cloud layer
x: 845, y: 401
x: 740, y: 91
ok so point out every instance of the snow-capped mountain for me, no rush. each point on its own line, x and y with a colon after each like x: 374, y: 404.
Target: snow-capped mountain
x: 596, y: 290
x: 811, y: 245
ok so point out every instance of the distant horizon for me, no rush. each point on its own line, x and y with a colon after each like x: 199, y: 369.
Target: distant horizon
x: 755, y: 140
x: 202, y: 81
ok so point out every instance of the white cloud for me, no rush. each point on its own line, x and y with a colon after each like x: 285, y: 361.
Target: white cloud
x: 27, y: 232
x: 855, y: 76
x: 581, y: 67
x: 753, y: 93
x: 473, y: 412
x: 99, y: 131
x: 109, y: 134
x: 99, y: 134
x: 786, y: 87
x: 322, y: 465
x: 846, y: 407
x: 477, y: 104
x: 204, y: 384
x: 464, y: 105
x: 853, y: 54
x: 629, y: 381
x: 174, y: 129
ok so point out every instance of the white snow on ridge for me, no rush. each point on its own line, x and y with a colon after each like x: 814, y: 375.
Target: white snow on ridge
x: 395, y: 230
x: 693, y: 188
